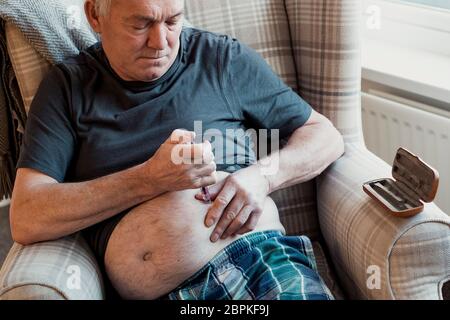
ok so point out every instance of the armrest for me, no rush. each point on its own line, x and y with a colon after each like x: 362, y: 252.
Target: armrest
x: 376, y: 255
x: 60, y: 269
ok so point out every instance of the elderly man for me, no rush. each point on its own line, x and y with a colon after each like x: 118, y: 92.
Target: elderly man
x: 98, y: 156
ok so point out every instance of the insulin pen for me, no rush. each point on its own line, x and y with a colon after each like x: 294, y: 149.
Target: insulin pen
x: 206, y: 194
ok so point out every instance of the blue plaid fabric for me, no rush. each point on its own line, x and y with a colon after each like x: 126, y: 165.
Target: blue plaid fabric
x: 260, y: 266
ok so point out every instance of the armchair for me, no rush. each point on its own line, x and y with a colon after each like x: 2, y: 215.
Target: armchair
x: 362, y: 252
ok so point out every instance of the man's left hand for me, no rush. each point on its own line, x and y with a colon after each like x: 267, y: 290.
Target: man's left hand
x: 238, y: 203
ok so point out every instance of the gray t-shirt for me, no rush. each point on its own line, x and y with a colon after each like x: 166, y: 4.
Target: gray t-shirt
x: 86, y: 122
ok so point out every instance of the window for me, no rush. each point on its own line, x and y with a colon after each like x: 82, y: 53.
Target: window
x: 441, y: 4
x: 409, y: 23
x: 406, y: 45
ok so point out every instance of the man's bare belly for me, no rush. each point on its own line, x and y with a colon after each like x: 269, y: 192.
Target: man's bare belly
x: 164, y: 241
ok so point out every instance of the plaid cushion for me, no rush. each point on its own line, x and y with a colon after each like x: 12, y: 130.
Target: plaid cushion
x: 29, y: 66
x: 326, y: 43
x: 326, y: 272
x: 65, y: 266
x: 420, y: 260
x: 411, y: 256
x: 31, y: 291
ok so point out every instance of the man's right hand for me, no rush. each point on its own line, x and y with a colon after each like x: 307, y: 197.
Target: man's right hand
x: 181, y: 164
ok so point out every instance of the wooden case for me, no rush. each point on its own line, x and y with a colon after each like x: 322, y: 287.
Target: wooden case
x: 414, y: 180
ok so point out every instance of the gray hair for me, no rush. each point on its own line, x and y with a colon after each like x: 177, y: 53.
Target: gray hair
x: 102, y: 7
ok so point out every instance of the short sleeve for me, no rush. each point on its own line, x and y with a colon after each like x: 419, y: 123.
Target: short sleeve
x: 259, y: 95
x: 49, y: 140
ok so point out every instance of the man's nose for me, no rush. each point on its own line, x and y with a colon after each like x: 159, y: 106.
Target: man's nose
x: 157, y: 37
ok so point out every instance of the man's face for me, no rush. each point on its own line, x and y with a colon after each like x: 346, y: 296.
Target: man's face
x: 141, y: 38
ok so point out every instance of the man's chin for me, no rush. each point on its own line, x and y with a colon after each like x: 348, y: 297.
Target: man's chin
x: 150, y: 74
x: 149, y: 77
x: 151, y: 69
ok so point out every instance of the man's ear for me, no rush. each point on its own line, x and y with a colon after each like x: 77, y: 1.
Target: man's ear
x: 92, y: 16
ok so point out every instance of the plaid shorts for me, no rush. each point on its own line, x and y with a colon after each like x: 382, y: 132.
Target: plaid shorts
x: 260, y: 266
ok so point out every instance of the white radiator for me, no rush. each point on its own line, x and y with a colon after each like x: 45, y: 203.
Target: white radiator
x: 390, y: 122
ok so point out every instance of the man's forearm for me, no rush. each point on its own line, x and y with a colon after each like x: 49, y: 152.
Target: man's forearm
x: 59, y: 209
x: 309, y: 151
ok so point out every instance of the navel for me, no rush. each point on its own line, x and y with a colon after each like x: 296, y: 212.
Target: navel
x: 147, y: 256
